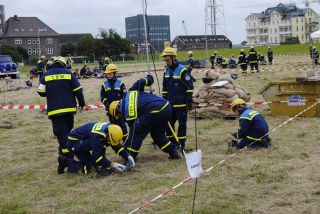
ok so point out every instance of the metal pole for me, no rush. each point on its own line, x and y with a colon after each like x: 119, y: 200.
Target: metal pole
x: 146, y: 37
x: 214, y: 18
x: 39, y: 42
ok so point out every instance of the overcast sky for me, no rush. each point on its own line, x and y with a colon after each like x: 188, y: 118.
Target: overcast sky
x: 71, y: 16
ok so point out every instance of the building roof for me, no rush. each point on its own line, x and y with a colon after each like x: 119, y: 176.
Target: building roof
x: 199, y: 39
x: 26, y: 27
x: 64, y: 38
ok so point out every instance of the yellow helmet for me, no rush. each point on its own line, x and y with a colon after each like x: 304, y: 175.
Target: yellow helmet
x: 53, y: 57
x: 237, y: 102
x: 190, y: 52
x: 216, y: 52
x: 115, y: 134
x: 232, y: 55
x: 224, y: 58
x: 314, y: 47
x: 43, y: 57
x: 112, y: 68
x: 258, y: 53
x: 251, y: 46
x: 268, y: 46
x: 169, y: 52
x: 61, y: 60
x: 107, y: 58
x: 113, y: 108
x: 241, y: 50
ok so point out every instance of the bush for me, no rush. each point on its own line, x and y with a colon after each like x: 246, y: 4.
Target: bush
x: 33, y: 60
x: 291, y: 41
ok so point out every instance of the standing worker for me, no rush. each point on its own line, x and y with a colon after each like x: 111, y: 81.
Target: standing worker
x: 106, y: 63
x: 41, y: 68
x: 270, y: 55
x: 69, y: 64
x: 145, y: 113
x: 242, y: 61
x: 177, y: 88
x: 101, y: 62
x: 191, y: 64
x: 50, y: 62
x: 94, y: 137
x: 253, y: 60
x: 315, y: 55
x: 252, y: 127
x: 212, y: 57
x: 61, y: 87
x: 113, y: 89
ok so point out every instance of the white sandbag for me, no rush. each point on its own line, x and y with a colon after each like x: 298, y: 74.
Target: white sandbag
x: 220, y: 83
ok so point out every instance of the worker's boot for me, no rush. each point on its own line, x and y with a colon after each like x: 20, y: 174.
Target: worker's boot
x: 233, y: 143
x: 174, y: 156
x: 63, y: 163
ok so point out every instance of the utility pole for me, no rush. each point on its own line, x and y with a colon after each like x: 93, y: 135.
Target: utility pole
x: 146, y: 37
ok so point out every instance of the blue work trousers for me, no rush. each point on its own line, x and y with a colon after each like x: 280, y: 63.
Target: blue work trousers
x: 181, y: 116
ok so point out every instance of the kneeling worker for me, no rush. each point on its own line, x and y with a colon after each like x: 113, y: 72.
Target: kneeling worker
x: 144, y: 113
x: 94, y: 137
x: 252, y: 127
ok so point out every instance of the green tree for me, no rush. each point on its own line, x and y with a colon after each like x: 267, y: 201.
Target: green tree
x: 86, y: 45
x: 68, y: 48
x: 23, y: 52
x: 12, y: 51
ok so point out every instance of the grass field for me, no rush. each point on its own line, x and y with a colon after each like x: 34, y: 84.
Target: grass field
x: 282, y: 179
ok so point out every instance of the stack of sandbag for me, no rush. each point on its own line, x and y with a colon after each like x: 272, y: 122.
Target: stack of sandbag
x: 219, y: 91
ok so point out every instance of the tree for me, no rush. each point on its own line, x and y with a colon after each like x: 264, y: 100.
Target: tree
x: 23, y: 52
x: 111, y: 43
x: 12, y: 51
x: 68, y: 48
x: 85, y: 46
x: 290, y: 41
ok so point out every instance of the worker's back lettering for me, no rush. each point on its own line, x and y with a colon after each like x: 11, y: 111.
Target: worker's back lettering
x: 58, y: 77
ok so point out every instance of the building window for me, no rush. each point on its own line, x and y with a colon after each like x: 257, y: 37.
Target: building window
x: 34, y: 51
x: 29, y: 41
x: 22, y: 30
x: 16, y: 30
x: 18, y: 41
x: 270, y: 39
x: 297, y: 28
x: 38, y: 41
x: 277, y: 22
x: 33, y: 40
x: 254, y: 32
x: 39, y: 50
x: 275, y: 39
x: 30, y: 29
x: 29, y: 51
x: 301, y: 20
x: 250, y: 40
x: 273, y: 22
x: 297, y: 20
x: 275, y: 30
x: 254, y: 24
x: 302, y: 28
x: 272, y: 15
x: 270, y: 30
x: 49, y: 40
x: 285, y: 21
x: 249, y: 24
x: 302, y: 37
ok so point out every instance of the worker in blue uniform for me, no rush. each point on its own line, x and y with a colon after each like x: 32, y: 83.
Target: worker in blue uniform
x: 145, y: 113
x: 106, y: 63
x: 113, y: 89
x: 253, y: 60
x: 40, y: 67
x: 190, y: 64
x: 177, y: 88
x: 69, y: 64
x: 101, y: 62
x: 315, y: 55
x: 95, y: 138
x: 261, y: 59
x: 61, y: 88
x: 224, y: 63
x: 50, y: 62
x: 232, y: 62
x: 270, y: 55
x: 219, y: 60
x: 212, y: 58
x: 242, y: 61
x: 84, y: 72
x: 253, y: 127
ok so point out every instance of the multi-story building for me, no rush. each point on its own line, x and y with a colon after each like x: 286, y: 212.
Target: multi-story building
x: 159, y: 29
x: 278, y: 23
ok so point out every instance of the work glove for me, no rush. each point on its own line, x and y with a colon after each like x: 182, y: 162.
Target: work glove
x: 132, y: 164
x: 150, y: 80
x: 119, y: 167
x: 189, y: 105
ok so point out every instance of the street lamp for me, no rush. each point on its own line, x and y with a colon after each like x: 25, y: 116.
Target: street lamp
x: 39, y: 40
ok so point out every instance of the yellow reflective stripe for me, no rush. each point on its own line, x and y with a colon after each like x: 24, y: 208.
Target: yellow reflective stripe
x: 119, y: 151
x: 99, y: 159
x: 252, y: 52
x: 165, y: 145
x: 132, y: 150
x: 104, y: 146
x: 72, y: 138
x: 98, y: 128
x: 104, y: 100
x: 237, y: 136
x: 107, y: 89
x: 170, y: 136
x: 104, y: 86
x: 41, y: 91
x: 76, y: 89
x: 189, y: 90
x: 156, y: 111
x: 164, y: 92
x: 85, y: 170
x: 107, y: 111
x: 64, y: 150
x: 248, y: 118
x: 133, y: 105
x: 182, y: 137
x: 146, y: 81
x: 252, y: 138
x: 61, y: 111
x: 180, y: 105
x: 57, y: 77
x: 181, y: 72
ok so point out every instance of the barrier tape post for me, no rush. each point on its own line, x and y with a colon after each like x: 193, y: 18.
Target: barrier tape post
x: 204, y: 172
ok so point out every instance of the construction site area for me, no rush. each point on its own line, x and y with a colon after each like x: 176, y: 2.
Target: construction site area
x: 284, y: 178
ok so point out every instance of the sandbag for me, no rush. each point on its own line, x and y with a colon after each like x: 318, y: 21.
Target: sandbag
x: 225, y: 77
x: 211, y: 101
x: 230, y: 114
x: 196, y: 93
x: 213, y: 109
x: 228, y: 86
x: 212, y: 75
x: 203, y: 94
x: 218, y: 95
x: 241, y: 93
x: 230, y: 100
x: 228, y: 92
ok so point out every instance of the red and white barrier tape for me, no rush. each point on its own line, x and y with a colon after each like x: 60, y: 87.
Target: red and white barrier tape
x: 7, y: 83
x: 204, y: 172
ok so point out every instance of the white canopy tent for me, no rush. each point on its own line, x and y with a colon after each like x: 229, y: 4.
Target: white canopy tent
x: 313, y: 36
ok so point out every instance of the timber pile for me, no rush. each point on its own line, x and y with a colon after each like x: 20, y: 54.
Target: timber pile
x: 225, y: 92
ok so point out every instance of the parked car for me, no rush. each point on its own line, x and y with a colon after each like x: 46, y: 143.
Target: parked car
x: 8, y: 68
x: 201, y: 63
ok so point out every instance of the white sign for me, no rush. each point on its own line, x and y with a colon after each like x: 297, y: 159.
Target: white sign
x: 296, y: 100
x: 194, y: 163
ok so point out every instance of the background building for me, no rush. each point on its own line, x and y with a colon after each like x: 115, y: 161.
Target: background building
x: 73, y: 37
x: 184, y: 43
x: 159, y: 29
x: 32, y: 34
x: 278, y: 23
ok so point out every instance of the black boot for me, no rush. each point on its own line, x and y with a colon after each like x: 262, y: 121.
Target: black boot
x: 174, y: 156
x: 233, y: 143
x: 63, y: 163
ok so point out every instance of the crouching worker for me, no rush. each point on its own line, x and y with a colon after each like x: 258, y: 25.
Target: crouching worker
x: 94, y: 137
x: 252, y: 127
x: 145, y: 113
